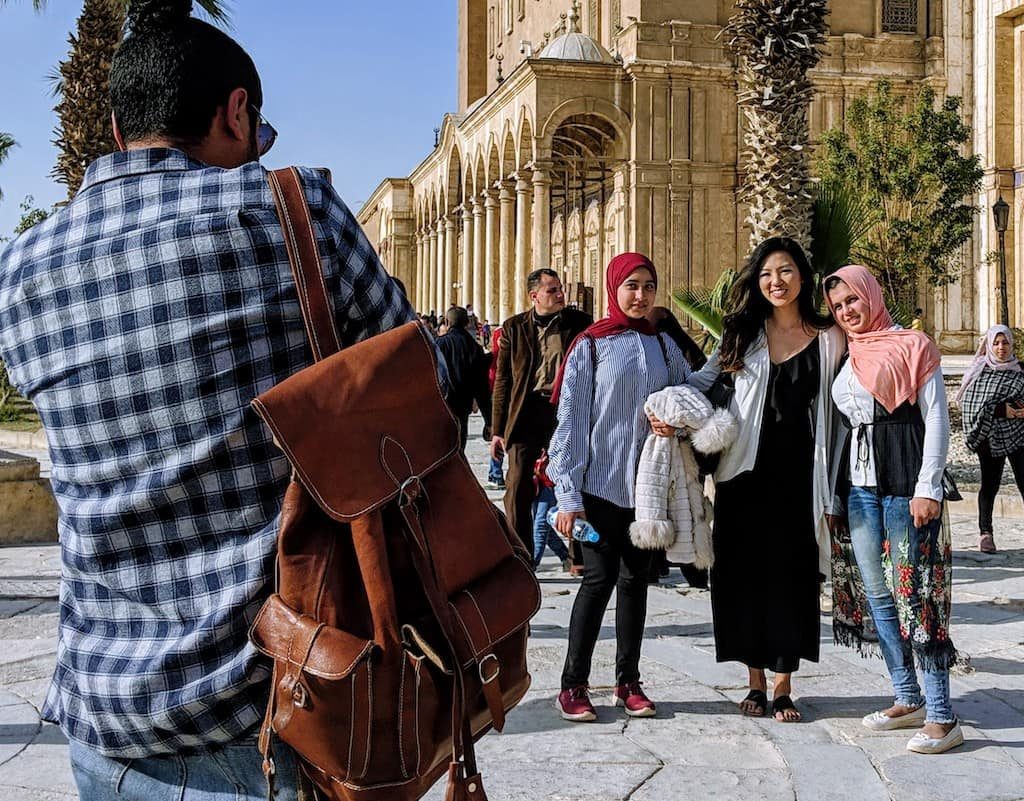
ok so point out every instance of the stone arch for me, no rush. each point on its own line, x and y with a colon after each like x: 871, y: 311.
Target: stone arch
x: 526, y: 143
x: 454, y: 180
x: 493, y: 164
x: 479, y: 174
x: 584, y: 108
x: 508, y: 153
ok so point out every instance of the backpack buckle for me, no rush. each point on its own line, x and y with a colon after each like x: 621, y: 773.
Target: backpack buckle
x: 409, y: 491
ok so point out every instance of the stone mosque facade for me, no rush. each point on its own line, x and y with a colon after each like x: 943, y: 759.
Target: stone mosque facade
x: 587, y: 129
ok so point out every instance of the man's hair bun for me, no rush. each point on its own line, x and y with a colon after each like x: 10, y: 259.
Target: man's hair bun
x: 156, y: 15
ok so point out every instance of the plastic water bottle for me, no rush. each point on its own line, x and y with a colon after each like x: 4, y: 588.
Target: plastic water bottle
x: 581, y: 529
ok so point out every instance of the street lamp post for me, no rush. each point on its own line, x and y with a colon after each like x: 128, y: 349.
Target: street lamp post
x: 1001, y: 215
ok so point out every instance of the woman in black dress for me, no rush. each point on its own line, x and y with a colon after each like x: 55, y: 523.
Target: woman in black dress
x: 777, y: 359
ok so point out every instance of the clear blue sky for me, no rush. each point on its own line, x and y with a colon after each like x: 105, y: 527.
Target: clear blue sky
x: 354, y: 86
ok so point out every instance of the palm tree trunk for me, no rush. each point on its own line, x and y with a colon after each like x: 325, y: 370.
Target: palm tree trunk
x: 776, y: 43
x: 84, y: 132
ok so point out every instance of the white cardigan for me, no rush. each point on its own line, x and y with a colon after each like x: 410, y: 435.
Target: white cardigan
x: 748, y: 408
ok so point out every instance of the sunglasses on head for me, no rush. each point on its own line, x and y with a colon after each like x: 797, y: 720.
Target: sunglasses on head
x: 266, y: 134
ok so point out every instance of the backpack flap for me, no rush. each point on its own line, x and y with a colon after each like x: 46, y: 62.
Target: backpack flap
x: 334, y: 418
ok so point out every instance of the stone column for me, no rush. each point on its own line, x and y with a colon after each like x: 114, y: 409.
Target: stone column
x: 416, y: 290
x: 506, y: 247
x: 451, y: 252
x: 491, y: 272
x: 524, y: 261
x: 466, y: 293
x: 430, y: 285
x: 542, y: 217
x: 439, y: 294
x: 479, y: 302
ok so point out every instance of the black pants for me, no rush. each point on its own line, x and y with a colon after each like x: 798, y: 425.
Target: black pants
x: 611, y: 563
x: 991, y: 476
x: 531, y: 435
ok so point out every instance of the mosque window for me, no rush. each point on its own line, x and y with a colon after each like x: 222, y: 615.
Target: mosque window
x: 507, y: 4
x: 492, y: 30
x: 899, y: 16
x: 522, y: 8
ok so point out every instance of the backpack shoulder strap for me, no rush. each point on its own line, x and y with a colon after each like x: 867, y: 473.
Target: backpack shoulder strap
x: 304, y: 257
x: 664, y: 350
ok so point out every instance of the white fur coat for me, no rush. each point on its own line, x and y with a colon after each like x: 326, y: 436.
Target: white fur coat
x: 671, y: 509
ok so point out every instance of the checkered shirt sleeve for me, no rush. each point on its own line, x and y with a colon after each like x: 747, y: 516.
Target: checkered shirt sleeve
x: 141, y: 320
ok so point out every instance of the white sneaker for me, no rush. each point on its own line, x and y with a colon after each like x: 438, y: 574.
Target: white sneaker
x: 921, y: 743
x: 879, y: 721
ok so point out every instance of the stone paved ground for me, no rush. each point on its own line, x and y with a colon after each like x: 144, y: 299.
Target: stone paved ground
x: 698, y: 747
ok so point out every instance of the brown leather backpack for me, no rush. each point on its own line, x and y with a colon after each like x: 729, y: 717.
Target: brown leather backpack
x: 398, y: 628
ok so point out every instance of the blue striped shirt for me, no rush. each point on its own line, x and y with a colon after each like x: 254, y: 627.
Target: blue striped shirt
x: 602, y: 426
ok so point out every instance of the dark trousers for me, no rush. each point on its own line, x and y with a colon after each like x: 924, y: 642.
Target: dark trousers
x: 531, y: 435
x: 520, y: 492
x: 611, y: 563
x: 991, y: 476
x: 463, y: 429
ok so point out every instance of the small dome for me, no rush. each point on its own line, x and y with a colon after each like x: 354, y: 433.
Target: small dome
x: 576, y: 46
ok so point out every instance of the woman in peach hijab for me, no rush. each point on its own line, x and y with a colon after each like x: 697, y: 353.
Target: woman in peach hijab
x: 892, y: 396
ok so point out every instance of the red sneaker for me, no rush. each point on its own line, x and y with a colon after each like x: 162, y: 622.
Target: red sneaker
x: 632, y: 696
x: 574, y: 704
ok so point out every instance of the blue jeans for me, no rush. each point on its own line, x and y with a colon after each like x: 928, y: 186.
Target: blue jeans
x: 229, y: 773
x: 543, y: 534
x: 494, y: 472
x: 873, y: 520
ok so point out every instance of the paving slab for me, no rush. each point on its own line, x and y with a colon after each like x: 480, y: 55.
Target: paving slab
x: 699, y: 746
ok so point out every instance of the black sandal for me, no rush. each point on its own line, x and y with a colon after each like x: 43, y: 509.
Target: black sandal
x: 783, y: 703
x: 758, y: 698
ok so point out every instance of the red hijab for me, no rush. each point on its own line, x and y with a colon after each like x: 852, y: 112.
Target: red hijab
x: 891, y: 364
x: 617, y: 321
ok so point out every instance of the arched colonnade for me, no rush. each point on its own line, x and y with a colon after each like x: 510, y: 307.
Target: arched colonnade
x: 502, y: 198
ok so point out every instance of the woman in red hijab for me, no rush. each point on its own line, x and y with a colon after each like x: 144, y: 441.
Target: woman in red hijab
x: 606, y: 377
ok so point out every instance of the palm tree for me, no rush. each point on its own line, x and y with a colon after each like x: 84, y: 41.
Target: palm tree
x: 82, y: 82
x: 776, y: 42
x: 7, y: 144
x: 842, y: 220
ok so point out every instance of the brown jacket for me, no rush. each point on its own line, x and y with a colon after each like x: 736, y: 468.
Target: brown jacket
x: 517, y: 361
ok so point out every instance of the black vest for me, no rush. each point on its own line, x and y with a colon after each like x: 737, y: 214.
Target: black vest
x: 898, y: 441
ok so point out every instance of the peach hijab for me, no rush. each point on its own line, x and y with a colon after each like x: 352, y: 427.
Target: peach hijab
x: 891, y: 364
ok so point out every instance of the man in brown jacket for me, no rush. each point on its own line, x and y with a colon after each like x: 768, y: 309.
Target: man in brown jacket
x: 530, y: 352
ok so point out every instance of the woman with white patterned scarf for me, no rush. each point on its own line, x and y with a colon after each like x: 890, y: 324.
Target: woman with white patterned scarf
x: 991, y: 398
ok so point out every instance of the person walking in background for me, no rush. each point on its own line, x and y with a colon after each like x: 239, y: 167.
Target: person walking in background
x: 600, y: 393
x: 495, y: 471
x: 467, y: 371
x: 917, y: 324
x: 544, y: 536
x: 991, y: 398
x: 891, y: 393
x: 530, y: 353
x: 773, y: 486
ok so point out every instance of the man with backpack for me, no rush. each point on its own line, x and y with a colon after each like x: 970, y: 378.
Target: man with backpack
x: 141, y: 319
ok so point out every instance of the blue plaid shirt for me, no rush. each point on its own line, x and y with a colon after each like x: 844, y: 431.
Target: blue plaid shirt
x: 141, y: 320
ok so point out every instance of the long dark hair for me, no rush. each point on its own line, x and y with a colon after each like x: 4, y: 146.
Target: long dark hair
x: 748, y: 308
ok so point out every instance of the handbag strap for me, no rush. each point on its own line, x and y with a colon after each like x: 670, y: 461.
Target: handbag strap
x: 304, y: 257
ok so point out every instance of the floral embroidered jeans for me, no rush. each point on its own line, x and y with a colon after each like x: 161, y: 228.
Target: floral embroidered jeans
x: 883, y: 535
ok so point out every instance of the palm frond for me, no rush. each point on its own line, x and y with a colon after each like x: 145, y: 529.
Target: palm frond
x: 707, y: 306
x: 841, y: 221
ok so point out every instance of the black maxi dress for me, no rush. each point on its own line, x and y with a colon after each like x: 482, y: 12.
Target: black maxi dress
x: 765, y: 581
